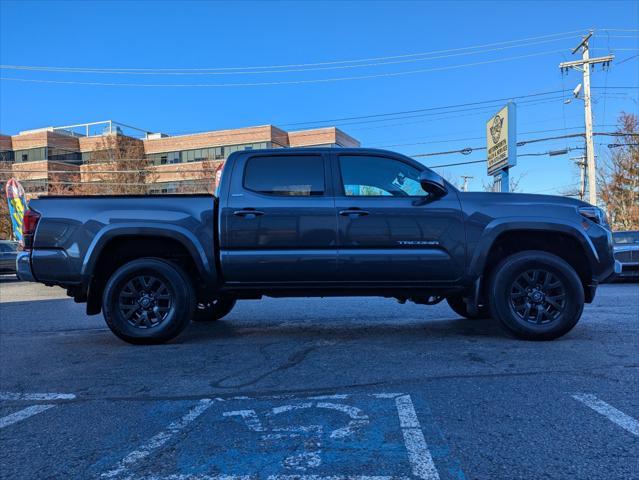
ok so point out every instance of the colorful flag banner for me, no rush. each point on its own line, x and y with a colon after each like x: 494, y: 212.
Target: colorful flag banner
x: 17, y: 205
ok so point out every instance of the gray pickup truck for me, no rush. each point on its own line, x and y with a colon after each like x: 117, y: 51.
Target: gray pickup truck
x: 320, y: 222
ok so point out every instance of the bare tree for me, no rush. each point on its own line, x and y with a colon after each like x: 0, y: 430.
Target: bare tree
x: 120, y: 166
x: 62, y: 184
x: 618, y: 176
x: 201, y: 182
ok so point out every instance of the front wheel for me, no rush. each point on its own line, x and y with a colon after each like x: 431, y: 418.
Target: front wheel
x: 148, y: 301
x: 536, y: 295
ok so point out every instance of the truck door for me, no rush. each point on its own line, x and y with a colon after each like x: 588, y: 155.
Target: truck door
x: 279, y: 222
x: 389, y: 229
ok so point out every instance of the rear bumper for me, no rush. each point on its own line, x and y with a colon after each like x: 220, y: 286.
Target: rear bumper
x: 23, y: 267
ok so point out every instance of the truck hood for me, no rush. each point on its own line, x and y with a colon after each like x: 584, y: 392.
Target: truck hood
x: 521, y: 199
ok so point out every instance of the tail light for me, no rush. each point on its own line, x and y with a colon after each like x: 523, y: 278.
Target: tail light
x: 29, y: 224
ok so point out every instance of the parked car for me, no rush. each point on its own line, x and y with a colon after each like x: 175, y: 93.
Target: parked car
x: 320, y: 222
x: 8, y: 254
x: 626, y: 247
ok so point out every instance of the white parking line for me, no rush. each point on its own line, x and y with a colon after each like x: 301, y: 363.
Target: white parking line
x: 36, y: 397
x: 188, y: 476
x: 23, y: 414
x: 158, y: 440
x: 334, y: 477
x: 203, y: 476
x: 418, y: 454
x: 611, y: 413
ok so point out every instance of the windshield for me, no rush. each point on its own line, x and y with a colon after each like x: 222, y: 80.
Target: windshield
x: 626, y: 237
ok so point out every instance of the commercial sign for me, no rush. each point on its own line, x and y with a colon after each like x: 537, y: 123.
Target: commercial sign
x: 17, y: 204
x: 501, y: 140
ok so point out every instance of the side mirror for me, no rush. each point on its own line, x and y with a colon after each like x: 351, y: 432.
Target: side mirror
x: 432, y: 183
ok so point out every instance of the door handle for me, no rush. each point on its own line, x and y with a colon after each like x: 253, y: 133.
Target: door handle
x: 248, y: 213
x: 358, y: 212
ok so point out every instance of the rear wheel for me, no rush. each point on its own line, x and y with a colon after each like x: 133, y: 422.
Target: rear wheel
x: 536, y: 295
x: 148, y: 301
x: 213, y: 310
x: 458, y: 306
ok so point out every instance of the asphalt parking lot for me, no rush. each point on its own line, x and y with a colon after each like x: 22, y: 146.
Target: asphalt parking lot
x: 311, y: 389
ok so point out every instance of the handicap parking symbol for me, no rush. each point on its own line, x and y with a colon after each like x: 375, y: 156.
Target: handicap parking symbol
x: 330, y: 437
x: 271, y: 432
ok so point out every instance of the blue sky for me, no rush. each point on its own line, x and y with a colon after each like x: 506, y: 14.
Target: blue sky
x: 215, y: 35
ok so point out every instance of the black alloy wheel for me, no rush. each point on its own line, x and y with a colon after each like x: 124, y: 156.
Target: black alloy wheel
x: 538, y: 296
x: 148, y: 300
x: 145, y: 301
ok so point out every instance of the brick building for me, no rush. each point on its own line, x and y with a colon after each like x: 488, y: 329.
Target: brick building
x: 74, y: 155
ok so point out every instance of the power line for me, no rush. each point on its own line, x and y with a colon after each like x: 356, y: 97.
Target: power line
x: 468, y: 150
x: 101, y: 71
x: 481, y: 138
x: 464, y: 115
x: 283, y: 82
x: 627, y: 59
x: 306, y: 66
x: 483, y: 108
x: 316, y: 64
x: 428, y: 109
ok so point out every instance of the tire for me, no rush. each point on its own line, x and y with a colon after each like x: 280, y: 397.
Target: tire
x: 213, y: 310
x: 536, y: 295
x: 148, y: 301
x: 458, y: 306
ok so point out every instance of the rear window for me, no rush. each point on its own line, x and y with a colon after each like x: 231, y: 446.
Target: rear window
x: 292, y: 175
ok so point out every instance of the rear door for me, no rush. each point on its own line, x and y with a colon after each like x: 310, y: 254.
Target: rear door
x: 279, y: 222
x: 389, y: 229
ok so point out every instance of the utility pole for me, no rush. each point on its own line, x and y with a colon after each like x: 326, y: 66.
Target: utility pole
x: 465, y: 184
x: 581, y: 163
x: 583, y: 65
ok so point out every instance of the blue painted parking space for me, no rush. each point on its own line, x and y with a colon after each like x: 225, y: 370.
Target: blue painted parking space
x: 357, y: 436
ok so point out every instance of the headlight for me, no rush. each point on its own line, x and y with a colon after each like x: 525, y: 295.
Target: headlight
x: 595, y: 214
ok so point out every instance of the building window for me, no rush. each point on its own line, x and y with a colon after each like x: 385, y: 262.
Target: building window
x: 298, y: 175
x: 202, y: 154
x: 31, y: 154
x: 62, y: 155
x: 6, y: 156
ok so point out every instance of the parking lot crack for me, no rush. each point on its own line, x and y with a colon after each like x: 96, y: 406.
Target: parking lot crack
x: 292, y: 361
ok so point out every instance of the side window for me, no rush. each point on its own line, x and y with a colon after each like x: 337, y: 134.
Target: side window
x: 292, y: 175
x: 370, y: 176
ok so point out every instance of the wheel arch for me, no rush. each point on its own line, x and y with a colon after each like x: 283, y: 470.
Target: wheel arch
x: 564, y: 240
x: 116, y: 246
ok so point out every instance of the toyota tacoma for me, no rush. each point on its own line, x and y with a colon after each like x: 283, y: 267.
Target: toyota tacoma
x: 320, y: 222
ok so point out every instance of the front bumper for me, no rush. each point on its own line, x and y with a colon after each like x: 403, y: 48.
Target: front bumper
x: 23, y: 267
x: 628, y: 270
